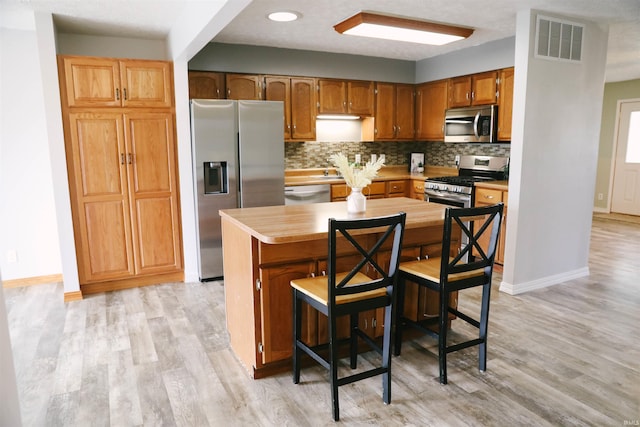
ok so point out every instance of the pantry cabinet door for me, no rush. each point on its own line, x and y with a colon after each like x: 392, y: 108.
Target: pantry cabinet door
x: 146, y: 83
x: 153, y: 189
x: 91, y: 82
x: 97, y: 167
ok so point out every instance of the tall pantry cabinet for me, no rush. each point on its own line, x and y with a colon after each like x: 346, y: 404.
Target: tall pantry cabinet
x: 119, y: 124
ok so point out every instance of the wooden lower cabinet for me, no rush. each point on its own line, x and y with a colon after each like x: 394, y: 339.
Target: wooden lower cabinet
x: 276, y: 307
x: 417, y: 189
x: 124, y: 194
x: 375, y: 190
x: 485, y: 197
x: 396, y: 188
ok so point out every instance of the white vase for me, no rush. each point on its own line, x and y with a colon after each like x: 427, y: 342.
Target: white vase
x: 356, y: 201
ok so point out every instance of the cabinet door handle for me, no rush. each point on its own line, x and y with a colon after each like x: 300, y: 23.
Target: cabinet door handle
x: 488, y: 197
x: 129, y: 158
x: 122, y: 158
x: 124, y: 93
x: 117, y: 94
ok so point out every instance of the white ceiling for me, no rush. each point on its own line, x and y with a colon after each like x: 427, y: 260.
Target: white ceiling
x: 492, y: 20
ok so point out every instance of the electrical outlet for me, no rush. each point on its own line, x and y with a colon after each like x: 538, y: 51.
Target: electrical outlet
x: 382, y: 157
x: 12, y: 256
x: 457, y: 160
x: 374, y: 157
x: 600, y: 196
x: 358, y: 158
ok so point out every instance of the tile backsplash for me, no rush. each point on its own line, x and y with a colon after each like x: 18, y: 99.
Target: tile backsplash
x: 315, y: 154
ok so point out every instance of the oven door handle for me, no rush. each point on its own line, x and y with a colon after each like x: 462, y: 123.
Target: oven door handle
x: 443, y: 197
x: 476, y: 121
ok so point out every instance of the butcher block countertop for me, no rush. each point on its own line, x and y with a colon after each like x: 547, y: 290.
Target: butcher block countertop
x: 296, y: 223
x: 494, y: 185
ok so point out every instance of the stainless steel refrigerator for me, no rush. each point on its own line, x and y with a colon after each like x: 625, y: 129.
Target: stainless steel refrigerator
x: 238, y: 162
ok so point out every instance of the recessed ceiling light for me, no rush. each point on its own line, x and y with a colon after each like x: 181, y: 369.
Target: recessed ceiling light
x: 284, y: 16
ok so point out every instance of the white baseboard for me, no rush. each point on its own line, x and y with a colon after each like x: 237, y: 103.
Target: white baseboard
x: 520, y: 288
x: 601, y: 210
x: 191, y: 277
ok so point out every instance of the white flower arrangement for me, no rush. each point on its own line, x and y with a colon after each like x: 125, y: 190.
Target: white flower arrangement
x: 355, y: 177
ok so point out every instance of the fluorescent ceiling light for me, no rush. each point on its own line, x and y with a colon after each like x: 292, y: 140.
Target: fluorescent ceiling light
x: 284, y: 16
x: 369, y: 24
x: 337, y: 117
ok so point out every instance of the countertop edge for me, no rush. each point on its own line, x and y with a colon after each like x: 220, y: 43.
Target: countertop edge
x: 316, y: 235
x: 494, y: 185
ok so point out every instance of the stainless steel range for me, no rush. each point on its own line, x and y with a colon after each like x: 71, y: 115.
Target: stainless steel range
x: 458, y: 190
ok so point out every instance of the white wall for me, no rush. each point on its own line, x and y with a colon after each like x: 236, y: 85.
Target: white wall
x: 114, y: 47
x: 489, y: 56
x: 292, y: 62
x: 10, y: 406
x: 555, y: 134
x: 27, y: 211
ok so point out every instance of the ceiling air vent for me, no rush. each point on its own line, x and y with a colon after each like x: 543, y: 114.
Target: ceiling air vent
x: 558, y: 39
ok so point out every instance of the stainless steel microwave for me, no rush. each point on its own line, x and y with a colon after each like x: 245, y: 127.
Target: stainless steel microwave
x: 471, y: 124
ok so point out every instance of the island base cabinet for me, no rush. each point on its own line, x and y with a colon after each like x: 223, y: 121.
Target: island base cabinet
x: 258, y: 294
x: 276, y: 310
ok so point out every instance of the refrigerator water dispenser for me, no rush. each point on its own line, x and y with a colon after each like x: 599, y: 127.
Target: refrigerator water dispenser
x: 215, y: 178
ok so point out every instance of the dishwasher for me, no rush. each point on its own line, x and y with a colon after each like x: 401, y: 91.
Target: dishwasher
x: 305, y: 194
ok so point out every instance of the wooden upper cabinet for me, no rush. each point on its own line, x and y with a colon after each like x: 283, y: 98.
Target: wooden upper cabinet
x: 505, y: 103
x: 484, y: 88
x: 345, y: 97
x: 394, y: 112
x: 385, y: 117
x: 360, y: 97
x: 146, y: 83
x: 279, y: 89
x: 244, y: 86
x: 303, y: 109
x: 460, y: 92
x: 405, y: 112
x: 332, y: 96
x: 299, y: 98
x: 477, y: 89
x: 106, y: 82
x: 431, y: 104
x: 206, y: 85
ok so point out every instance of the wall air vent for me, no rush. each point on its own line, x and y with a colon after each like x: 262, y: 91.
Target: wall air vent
x: 558, y: 39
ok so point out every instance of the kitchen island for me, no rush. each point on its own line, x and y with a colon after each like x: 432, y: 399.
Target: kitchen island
x: 265, y: 248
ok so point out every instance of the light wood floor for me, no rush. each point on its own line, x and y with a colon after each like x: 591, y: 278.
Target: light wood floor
x: 568, y: 355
